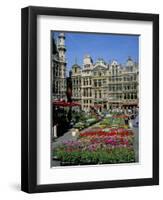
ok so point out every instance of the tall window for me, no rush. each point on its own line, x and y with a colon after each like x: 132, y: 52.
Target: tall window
x: 95, y: 83
x: 100, y: 94
x: 99, y: 83
x: 90, y: 93
x: 95, y: 94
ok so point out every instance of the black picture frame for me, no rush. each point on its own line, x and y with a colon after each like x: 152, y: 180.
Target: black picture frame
x: 29, y: 99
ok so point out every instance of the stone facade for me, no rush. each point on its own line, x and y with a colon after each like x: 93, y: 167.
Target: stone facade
x: 105, y: 86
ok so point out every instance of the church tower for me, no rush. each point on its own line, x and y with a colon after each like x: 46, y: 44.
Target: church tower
x: 62, y: 51
x: 62, y: 64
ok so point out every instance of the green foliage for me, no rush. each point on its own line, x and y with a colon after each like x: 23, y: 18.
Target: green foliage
x: 79, y: 125
x: 107, y: 121
x: 118, y: 121
x: 85, y: 123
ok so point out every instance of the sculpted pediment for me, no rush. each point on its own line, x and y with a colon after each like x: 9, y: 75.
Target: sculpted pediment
x: 99, y: 67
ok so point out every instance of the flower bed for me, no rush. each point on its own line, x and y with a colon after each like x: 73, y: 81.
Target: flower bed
x: 111, y: 156
x: 120, y: 116
x: 114, y: 121
x: 105, y: 132
x: 99, y: 145
x: 96, y: 149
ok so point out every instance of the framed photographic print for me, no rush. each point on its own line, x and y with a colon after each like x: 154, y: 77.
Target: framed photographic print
x: 90, y: 99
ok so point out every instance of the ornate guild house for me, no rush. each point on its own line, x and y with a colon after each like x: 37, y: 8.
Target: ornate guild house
x: 100, y: 85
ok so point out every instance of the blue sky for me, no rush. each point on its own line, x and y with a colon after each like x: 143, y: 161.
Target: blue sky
x: 106, y: 46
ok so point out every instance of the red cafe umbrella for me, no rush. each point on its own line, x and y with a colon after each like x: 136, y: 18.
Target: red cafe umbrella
x: 65, y: 104
x: 97, y: 105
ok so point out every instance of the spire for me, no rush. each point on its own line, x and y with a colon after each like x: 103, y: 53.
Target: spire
x: 76, y: 60
x: 61, y: 42
x: 61, y: 35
